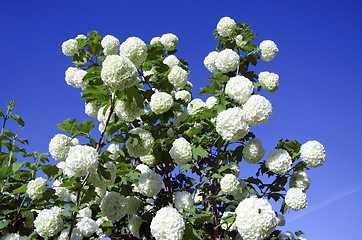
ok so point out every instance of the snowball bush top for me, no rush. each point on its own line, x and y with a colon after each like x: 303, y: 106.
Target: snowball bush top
x: 114, y: 206
x: 183, y: 199
x: 144, y: 145
x: 181, y: 151
x: 229, y: 184
x: 210, y: 62
x: 270, y: 81
x: 299, y: 180
x: 183, y: 95
x: 161, y: 102
x: 70, y: 47
x: 110, y: 45
x: 254, y: 151
x: 74, y: 77
x: 268, y: 50
x: 169, y: 41
x: 279, y: 161
x: 227, y: 61
x: 296, y: 199
x: 134, y: 49
x: 239, y: 88
x: 128, y: 111
x: 36, y: 188
x: 313, y: 153
x: 195, y: 106
x: 257, y: 110
x: 226, y: 26
x: 168, y: 224
x: 59, y: 147
x: 48, y: 222
x: 171, y: 61
x: 178, y: 77
x: 149, y: 183
x: 81, y: 160
x: 231, y: 125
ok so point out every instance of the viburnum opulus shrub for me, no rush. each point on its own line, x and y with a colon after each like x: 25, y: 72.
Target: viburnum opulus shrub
x: 136, y: 180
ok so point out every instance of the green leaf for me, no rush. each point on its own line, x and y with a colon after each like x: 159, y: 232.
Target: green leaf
x: 21, y: 189
x: 16, y: 166
x: 186, y: 167
x: 85, y: 127
x: 18, y: 119
x: 301, y: 166
x: 193, y: 131
x: 298, y: 233
x: 1, y: 112
x: 5, y: 171
x: 67, y: 125
x: 190, y: 233
x: 49, y: 170
x: 199, y: 151
x: 133, y: 93
x: 4, y: 224
x: 9, y: 133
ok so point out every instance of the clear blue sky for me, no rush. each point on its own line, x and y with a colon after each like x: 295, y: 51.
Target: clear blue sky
x: 318, y: 63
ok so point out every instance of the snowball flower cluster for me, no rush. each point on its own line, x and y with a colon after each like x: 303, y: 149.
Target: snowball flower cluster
x: 70, y: 47
x: 81, y: 160
x: 183, y: 95
x: 168, y: 224
x: 178, y: 77
x: 279, y: 161
x: 87, y: 226
x: 118, y: 72
x: 240, y: 41
x: 270, y: 81
x: 74, y: 77
x: 296, y: 199
x: 148, y: 159
x: 134, y: 225
x: 110, y: 45
x: 149, y: 183
x: 254, y: 151
x: 85, y: 212
x: 171, y: 61
x: 48, y: 222
x: 114, y: 206
x: 169, y: 41
x: 13, y: 236
x: 255, y: 219
x: 133, y: 204
x: 299, y: 180
x: 239, y: 89
x: 135, y: 50
x: 268, y: 50
x: 195, y: 106
x: 59, y: 147
x: 144, y: 144
x: 313, y: 153
x: 128, y: 111
x: 161, y: 102
x: 231, y: 125
x: 181, y: 151
x: 91, y: 109
x: 103, y: 115
x: 143, y: 168
x: 210, y: 62
x: 257, y: 110
x: 60, y: 192
x: 210, y: 102
x: 155, y: 40
x: 227, y: 61
x: 183, y: 199
x: 225, y: 26
x: 114, y: 150
x: 76, y: 234
x: 36, y: 188
x: 229, y: 184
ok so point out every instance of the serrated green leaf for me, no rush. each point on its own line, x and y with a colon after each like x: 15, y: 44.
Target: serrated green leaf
x: 199, y: 151
x: 186, y: 167
x: 49, y: 170
x: 21, y: 189
x: 18, y: 119
x: 5, y: 171
x: 67, y: 125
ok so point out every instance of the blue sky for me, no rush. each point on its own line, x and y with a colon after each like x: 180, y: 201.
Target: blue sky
x: 319, y: 63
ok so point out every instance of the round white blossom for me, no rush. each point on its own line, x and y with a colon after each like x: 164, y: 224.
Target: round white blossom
x: 253, y: 152
x: 183, y: 95
x: 149, y: 183
x: 59, y: 147
x: 168, y: 224
x: 143, y: 168
x: 143, y: 146
x: 235, y: 168
x: 182, y: 200
x: 13, y: 236
x: 257, y: 110
x: 296, y: 199
x: 91, y: 109
x: 76, y: 234
x: 87, y: 226
x: 101, y: 127
x: 227, y: 61
x: 114, y: 206
x: 225, y: 26
x: 197, y: 197
x: 299, y: 180
x: 80, y: 36
x: 313, y: 154
x: 239, y: 41
x: 60, y: 192
x: 103, y: 116
x: 134, y: 225
x: 110, y: 45
x: 74, y: 77
x: 74, y: 142
x: 133, y: 204
x: 178, y: 77
x: 229, y: 184
x: 179, y: 117
x: 171, y: 61
x: 81, y: 160
x: 155, y: 40
x: 128, y: 111
x: 70, y: 47
x: 210, y: 62
x: 169, y: 41
x: 148, y: 159
x: 268, y: 50
x: 135, y: 49
x: 239, y: 88
x: 181, y: 151
x: 118, y: 72
x: 161, y: 102
x: 279, y: 161
x: 270, y: 81
x: 48, y: 222
x: 103, y: 182
x: 195, y: 106
x: 36, y: 188
x: 231, y: 125
x: 255, y: 219
x: 280, y: 219
x: 210, y: 102
x: 85, y: 212
x: 225, y: 225
x: 114, y: 150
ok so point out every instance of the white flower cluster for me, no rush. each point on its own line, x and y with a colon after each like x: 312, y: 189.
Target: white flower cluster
x: 148, y: 159
x: 161, y: 102
x: 225, y: 26
x: 181, y: 151
x: 81, y: 160
x: 143, y: 168
x: 128, y: 111
x: 230, y: 184
x: 134, y: 225
x: 133, y: 204
x: 268, y: 50
x: 74, y: 77
x: 178, y: 77
x: 313, y: 153
x: 183, y: 199
x: 59, y: 147
x: 270, y: 81
x: 87, y: 226
x: 299, y: 180
x: 235, y: 168
x: 155, y: 40
x: 240, y: 41
x: 114, y: 206
x: 114, y: 150
x: 169, y: 41
x: 76, y: 234
x: 257, y: 110
x: 13, y: 236
x: 168, y: 224
x: 103, y: 115
x: 255, y: 219
x: 254, y: 151
x: 110, y: 45
x: 144, y: 144
x: 211, y: 102
x: 36, y: 188
x: 279, y: 161
x: 85, y: 212
x: 195, y: 106
x: 48, y: 222
x: 183, y: 95
x: 239, y: 89
x: 135, y: 50
x: 70, y: 47
x: 102, y: 182
x: 118, y: 72
x: 149, y: 183
x: 231, y: 124
x: 171, y: 61
x: 60, y: 192
x: 296, y: 199
x: 227, y: 61
x: 91, y: 109
x: 210, y: 62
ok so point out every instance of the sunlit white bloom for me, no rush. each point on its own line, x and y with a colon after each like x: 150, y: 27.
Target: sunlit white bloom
x: 169, y: 41
x: 268, y: 50
x: 13, y: 236
x: 253, y: 152
x: 195, y: 106
x: 134, y: 225
x: 229, y: 184
x: 70, y: 47
x: 81, y: 160
x: 155, y: 40
x: 48, y: 222
x: 171, y: 61
x: 197, y: 197
x: 110, y: 45
x: 279, y: 161
x: 225, y: 225
x: 85, y: 212
x: 168, y: 224
x: 148, y: 159
x: 91, y: 109
x: 183, y: 95
x: 210, y: 62
x: 87, y: 226
x: 231, y: 124
x: 296, y: 199
x: 134, y: 49
x: 178, y: 77
x: 225, y: 26
x: 211, y: 101
x: 149, y: 183
x: 240, y: 41
x: 183, y: 199
x: 239, y: 88
x: 114, y: 150
x: 313, y: 153
x: 81, y: 36
x: 181, y: 151
x: 128, y: 111
x: 299, y: 180
x: 59, y: 147
x: 60, y: 192
x: 257, y: 110
x: 101, y: 127
x: 227, y: 61
x: 143, y: 168
x: 142, y: 146
x: 76, y: 234
x: 103, y: 115
x: 74, y: 77
x: 114, y: 206
x: 36, y: 188
x: 161, y: 102
x: 269, y: 81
